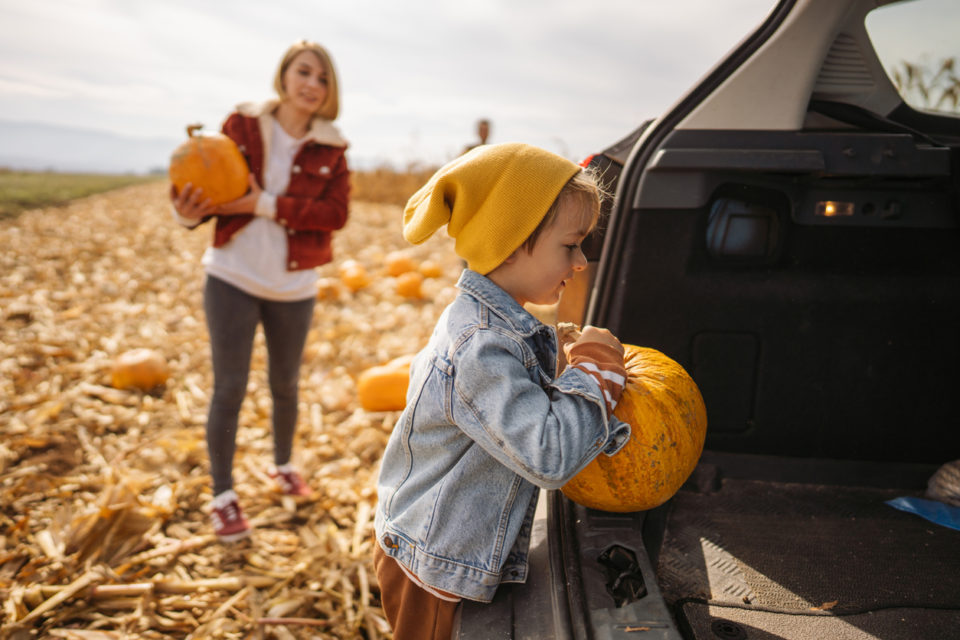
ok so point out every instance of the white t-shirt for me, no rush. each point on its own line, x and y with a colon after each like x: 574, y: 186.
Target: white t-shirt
x: 255, y: 258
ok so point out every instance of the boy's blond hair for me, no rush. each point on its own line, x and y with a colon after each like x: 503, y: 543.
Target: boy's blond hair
x: 584, y: 188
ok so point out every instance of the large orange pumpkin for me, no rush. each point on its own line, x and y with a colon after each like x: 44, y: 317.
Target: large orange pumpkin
x: 211, y: 162
x: 668, y: 422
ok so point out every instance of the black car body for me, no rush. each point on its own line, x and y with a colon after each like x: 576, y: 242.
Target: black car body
x: 789, y: 232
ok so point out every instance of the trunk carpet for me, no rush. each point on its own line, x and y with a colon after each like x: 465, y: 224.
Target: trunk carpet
x: 735, y: 623
x: 787, y: 560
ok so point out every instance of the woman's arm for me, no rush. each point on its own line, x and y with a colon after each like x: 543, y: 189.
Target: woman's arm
x: 245, y: 204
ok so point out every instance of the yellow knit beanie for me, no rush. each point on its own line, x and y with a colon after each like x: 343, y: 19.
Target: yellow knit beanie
x: 491, y: 199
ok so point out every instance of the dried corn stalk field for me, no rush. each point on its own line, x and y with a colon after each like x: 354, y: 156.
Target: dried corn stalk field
x: 104, y: 493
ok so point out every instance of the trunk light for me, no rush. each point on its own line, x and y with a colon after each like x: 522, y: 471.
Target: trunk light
x: 834, y: 208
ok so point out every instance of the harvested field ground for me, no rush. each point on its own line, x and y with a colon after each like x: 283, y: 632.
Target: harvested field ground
x: 104, y: 493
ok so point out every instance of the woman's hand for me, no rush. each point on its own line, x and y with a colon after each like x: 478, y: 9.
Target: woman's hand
x: 190, y: 202
x: 244, y: 204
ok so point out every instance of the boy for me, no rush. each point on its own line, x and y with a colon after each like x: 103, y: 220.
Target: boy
x: 488, y: 422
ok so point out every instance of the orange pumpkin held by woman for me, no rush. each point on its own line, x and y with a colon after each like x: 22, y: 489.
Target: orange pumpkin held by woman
x: 668, y: 424
x: 211, y: 162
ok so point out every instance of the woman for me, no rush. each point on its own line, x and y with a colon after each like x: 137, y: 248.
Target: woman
x: 260, y: 268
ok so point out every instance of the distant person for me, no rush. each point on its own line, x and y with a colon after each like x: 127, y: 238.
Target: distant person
x: 483, y: 132
x: 488, y: 419
x: 260, y: 269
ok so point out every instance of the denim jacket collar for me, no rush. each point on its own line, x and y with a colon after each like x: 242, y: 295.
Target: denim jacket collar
x: 501, y: 303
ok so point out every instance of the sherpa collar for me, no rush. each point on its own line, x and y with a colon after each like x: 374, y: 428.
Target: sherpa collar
x: 321, y: 130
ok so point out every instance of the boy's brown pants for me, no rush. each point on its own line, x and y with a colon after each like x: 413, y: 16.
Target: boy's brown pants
x: 413, y: 614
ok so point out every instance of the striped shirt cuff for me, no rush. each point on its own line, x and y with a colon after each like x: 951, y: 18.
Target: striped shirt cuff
x: 608, y: 380
x: 605, y: 364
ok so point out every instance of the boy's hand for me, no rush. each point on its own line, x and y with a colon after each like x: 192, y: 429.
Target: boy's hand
x: 597, y: 352
x: 598, y: 335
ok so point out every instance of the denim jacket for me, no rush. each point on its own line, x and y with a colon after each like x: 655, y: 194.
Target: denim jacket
x: 487, y: 423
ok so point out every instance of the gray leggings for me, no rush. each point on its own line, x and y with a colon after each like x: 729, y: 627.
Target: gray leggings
x: 232, y: 319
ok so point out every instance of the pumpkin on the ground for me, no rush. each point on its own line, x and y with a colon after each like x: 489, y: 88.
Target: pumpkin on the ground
x: 328, y: 289
x: 408, y: 285
x: 354, y: 275
x: 668, y: 423
x: 141, y: 369
x: 431, y: 269
x: 384, y: 387
x: 399, y: 262
x: 211, y: 162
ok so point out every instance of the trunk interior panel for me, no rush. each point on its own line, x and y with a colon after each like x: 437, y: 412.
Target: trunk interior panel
x: 806, y: 304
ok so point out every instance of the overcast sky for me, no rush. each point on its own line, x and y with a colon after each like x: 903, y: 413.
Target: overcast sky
x: 568, y: 75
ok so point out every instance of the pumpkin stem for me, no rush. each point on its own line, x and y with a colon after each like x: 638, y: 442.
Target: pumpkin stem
x: 567, y: 332
x: 192, y: 128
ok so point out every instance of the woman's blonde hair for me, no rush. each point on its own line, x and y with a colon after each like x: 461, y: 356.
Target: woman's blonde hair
x: 330, y: 108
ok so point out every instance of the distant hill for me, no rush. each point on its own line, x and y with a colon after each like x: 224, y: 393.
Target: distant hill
x: 39, y: 147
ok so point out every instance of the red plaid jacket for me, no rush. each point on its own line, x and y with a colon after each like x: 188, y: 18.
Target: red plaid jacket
x: 315, y: 202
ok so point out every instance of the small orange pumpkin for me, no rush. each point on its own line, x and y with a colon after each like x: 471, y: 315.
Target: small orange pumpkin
x: 431, y: 269
x: 399, y: 262
x: 211, y: 162
x: 384, y: 387
x: 354, y: 275
x: 141, y: 369
x: 328, y: 289
x: 668, y: 423
x: 408, y: 285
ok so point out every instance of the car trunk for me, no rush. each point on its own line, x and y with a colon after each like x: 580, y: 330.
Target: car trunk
x: 807, y: 275
x: 797, y: 251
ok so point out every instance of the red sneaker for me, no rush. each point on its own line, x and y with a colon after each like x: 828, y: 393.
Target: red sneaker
x: 290, y: 481
x: 227, y: 518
